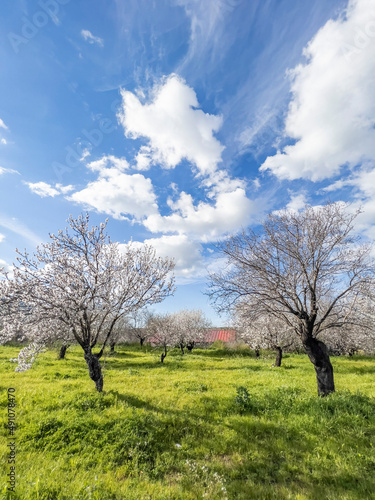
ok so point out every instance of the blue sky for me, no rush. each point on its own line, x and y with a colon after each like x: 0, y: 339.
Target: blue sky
x: 182, y: 120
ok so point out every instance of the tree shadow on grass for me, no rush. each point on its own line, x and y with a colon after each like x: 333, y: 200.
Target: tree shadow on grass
x: 354, y: 369
x: 136, y: 402
x: 112, y: 364
x: 121, y: 355
x: 280, y: 461
x: 223, y: 353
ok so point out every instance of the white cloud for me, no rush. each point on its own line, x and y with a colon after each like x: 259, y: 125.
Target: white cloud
x: 117, y: 193
x: 8, y: 171
x: 297, y: 202
x: 3, y: 141
x: 2, y: 124
x: 332, y: 113
x: 185, y: 252
x: 363, y: 183
x: 6, y: 267
x: 209, y: 39
x: 42, y: 189
x: 144, y: 158
x: 175, y: 128
x: 108, y: 161
x: 89, y: 37
x: 2, y: 237
x: 19, y: 228
x: 64, y: 189
x: 204, y: 222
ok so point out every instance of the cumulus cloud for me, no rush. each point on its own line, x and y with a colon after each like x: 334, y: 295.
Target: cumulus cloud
x: 204, y: 221
x: 108, y: 161
x: 185, y: 252
x: 363, y: 185
x: 331, y: 116
x: 44, y: 190
x: 2, y: 124
x: 116, y: 193
x: 89, y: 37
x: 297, y: 202
x: 174, y: 127
x: 2, y: 237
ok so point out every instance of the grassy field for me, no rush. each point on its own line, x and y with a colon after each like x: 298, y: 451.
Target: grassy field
x: 213, y: 424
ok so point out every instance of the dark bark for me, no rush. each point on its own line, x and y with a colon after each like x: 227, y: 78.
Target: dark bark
x: 163, y: 354
x: 257, y: 354
x: 182, y: 348
x: 141, y: 341
x: 112, y: 344
x: 95, y: 370
x: 63, y: 350
x: 318, y: 354
x: 190, y: 346
x: 351, y: 352
x: 279, y: 356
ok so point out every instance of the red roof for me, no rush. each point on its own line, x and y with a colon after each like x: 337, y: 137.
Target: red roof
x: 223, y: 335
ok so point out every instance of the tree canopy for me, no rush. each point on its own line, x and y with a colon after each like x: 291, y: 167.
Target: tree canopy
x: 306, y: 268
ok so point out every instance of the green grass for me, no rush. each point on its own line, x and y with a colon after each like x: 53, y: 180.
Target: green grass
x: 182, y: 430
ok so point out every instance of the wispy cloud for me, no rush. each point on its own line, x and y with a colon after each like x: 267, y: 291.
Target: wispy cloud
x: 17, y: 227
x: 8, y: 171
x: 89, y: 37
x: 2, y: 124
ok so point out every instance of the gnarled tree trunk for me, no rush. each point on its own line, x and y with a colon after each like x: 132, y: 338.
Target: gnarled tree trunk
x: 318, y: 354
x: 95, y: 370
x: 112, y: 344
x: 190, y: 346
x: 141, y: 341
x: 279, y: 356
x: 63, y: 350
x: 182, y: 348
x: 163, y: 354
x: 257, y: 353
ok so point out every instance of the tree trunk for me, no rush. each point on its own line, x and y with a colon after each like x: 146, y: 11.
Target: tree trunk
x: 190, y: 346
x: 257, y: 353
x: 182, y: 348
x: 141, y: 341
x: 95, y: 370
x: 163, y: 354
x: 318, y: 354
x: 279, y: 356
x: 63, y: 350
x: 112, y: 347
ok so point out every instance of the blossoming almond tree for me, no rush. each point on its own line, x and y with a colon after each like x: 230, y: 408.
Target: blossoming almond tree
x: 265, y: 332
x: 163, y: 332
x: 190, y: 327
x: 87, y: 283
x: 138, y: 327
x: 306, y: 268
